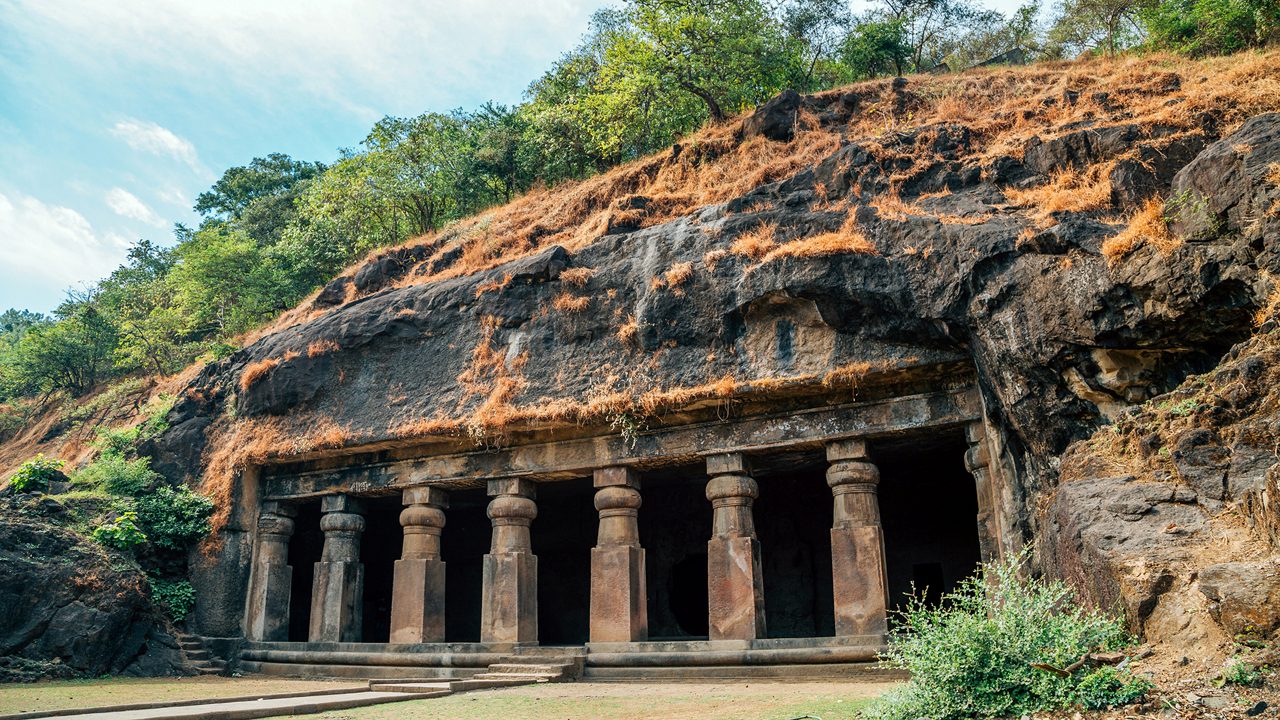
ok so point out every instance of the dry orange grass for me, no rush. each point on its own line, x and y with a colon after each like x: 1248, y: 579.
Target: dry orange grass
x: 320, y: 347
x: 756, y: 243
x: 1270, y: 309
x: 256, y: 371
x: 567, y: 303
x: 629, y: 331
x: 577, y: 276
x: 674, y: 277
x: 848, y: 239
x: 1147, y: 226
x: 1067, y: 191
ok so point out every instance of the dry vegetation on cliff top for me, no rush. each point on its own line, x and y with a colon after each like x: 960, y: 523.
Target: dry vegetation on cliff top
x: 1002, y: 108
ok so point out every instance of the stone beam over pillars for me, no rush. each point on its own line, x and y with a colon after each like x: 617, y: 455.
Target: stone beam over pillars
x: 270, y: 586
x: 417, y: 592
x: 859, y: 580
x: 338, y: 589
x: 509, y: 603
x: 575, y: 458
x: 735, y: 577
x: 619, y: 609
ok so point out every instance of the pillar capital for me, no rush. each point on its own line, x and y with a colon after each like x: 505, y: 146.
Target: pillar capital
x: 425, y: 495
x: 733, y: 463
x: 276, y: 520
x: 520, y: 487
x: 615, y: 476
x: 340, y: 503
x: 847, y: 449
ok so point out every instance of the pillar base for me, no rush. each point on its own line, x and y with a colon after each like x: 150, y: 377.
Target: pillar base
x: 858, y: 580
x: 619, y: 603
x: 509, y: 608
x: 417, y: 601
x: 735, y: 589
x: 336, y: 599
x: 269, y: 603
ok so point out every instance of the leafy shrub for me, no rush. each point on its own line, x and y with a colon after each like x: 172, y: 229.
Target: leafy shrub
x: 122, y: 533
x: 971, y: 656
x: 174, y: 518
x: 118, y: 475
x: 1241, y: 673
x: 1108, y: 687
x: 35, y: 474
x: 177, y: 597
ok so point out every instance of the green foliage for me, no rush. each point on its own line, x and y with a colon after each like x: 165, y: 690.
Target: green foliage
x: 1211, y: 27
x: 174, y: 518
x: 1107, y: 687
x: 1239, y: 672
x: 35, y: 474
x: 971, y: 656
x: 118, y: 475
x: 122, y: 533
x: 176, y: 597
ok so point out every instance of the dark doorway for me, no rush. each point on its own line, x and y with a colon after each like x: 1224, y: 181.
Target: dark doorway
x: 463, y: 544
x: 379, y: 549
x: 793, y: 522
x: 675, y: 524
x: 563, y: 535
x: 305, y: 548
x: 929, y: 507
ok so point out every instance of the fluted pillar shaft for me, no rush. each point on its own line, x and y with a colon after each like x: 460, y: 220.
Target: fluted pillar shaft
x: 858, y: 573
x: 509, y: 605
x: 735, y: 577
x: 418, y: 590
x: 338, y: 589
x: 267, y: 612
x: 619, y: 610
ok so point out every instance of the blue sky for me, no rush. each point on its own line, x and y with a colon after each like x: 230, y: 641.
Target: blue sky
x: 115, y: 114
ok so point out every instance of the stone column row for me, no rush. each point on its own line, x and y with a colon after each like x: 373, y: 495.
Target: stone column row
x: 618, y: 607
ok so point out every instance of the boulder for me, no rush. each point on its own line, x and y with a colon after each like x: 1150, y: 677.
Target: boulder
x: 776, y: 119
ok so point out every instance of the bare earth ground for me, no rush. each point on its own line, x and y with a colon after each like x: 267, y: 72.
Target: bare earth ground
x: 627, y: 701
x: 66, y: 694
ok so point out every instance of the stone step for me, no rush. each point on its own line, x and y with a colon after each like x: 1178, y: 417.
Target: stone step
x: 412, y: 687
x: 364, y: 672
x: 190, y: 644
x: 477, y: 684
x: 550, y: 651
x: 208, y: 670
x: 525, y: 677
x: 531, y: 668
x: 197, y: 655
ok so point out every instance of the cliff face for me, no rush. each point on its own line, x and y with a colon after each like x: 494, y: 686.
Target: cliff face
x: 1009, y: 225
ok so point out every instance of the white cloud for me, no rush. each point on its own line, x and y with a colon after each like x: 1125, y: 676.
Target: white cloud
x: 151, y: 138
x: 55, y: 245
x: 175, y: 196
x: 126, y: 204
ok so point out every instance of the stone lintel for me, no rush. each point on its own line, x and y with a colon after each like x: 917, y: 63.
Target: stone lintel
x: 733, y: 463
x: 520, y: 487
x: 425, y: 495
x: 615, y: 476
x: 847, y: 449
x: 339, y: 502
x: 975, y: 432
x: 277, y: 507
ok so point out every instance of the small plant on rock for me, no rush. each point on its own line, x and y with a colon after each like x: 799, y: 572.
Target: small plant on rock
x: 176, y: 597
x: 997, y: 646
x: 34, y: 475
x: 122, y: 533
x: 174, y: 518
x: 1239, y: 672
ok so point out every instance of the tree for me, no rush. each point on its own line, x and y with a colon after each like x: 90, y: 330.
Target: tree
x: 73, y: 353
x: 821, y: 27
x: 1106, y: 25
x: 932, y: 28
x: 139, y: 300
x: 1211, y: 27
x: 874, y: 48
x: 259, y: 196
x: 221, y: 284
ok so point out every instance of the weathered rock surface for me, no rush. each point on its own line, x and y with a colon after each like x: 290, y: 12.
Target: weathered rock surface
x: 73, y: 609
x: 1062, y: 338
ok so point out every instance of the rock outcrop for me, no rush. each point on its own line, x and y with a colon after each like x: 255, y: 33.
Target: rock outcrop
x: 72, y: 608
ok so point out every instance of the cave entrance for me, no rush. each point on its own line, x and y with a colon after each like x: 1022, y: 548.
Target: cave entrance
x: 463, y: 544
x: 563, y: 535
x: 675, y: 523
x: 929, y: 508
x: 380, y: 547
x: 305, y: 548
x: 793, y: 522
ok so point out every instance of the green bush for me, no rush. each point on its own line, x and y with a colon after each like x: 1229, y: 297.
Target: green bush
x: 971, y: 656
x: 122, y: 533
x: 117, y: 475
x: 177, y: 597
x: 174, y: 518
x: 35, y: 474
x: 1240, y: 673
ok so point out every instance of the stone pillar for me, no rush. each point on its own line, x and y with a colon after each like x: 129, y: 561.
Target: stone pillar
x: 619, y: 609
x: 417, y: 592
x: 509, y: 604
x: 978, y: 460
x: 338, y: 588
x: 268, y: 611
x: 735, y: 577
x: 860, y: 583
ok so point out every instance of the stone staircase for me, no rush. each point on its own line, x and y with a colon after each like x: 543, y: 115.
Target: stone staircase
x: 538, y: 664
x: 198, y: 655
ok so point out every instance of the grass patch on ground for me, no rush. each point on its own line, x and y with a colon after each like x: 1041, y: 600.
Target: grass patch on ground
x: 68, y: 694
x: 631, y: 701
